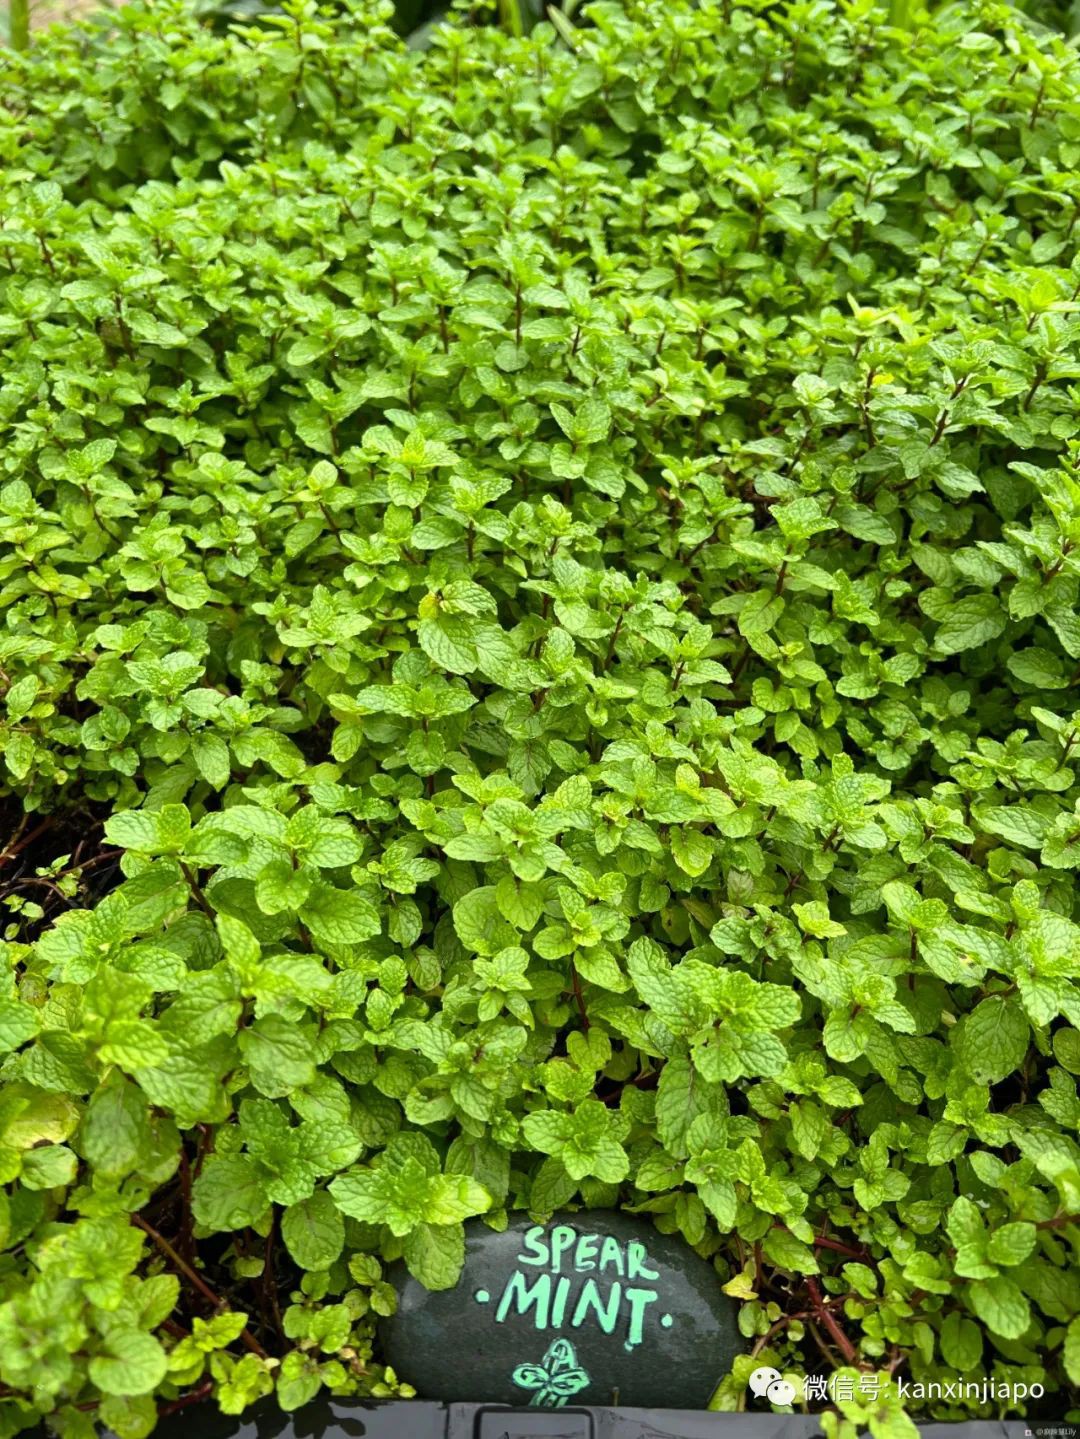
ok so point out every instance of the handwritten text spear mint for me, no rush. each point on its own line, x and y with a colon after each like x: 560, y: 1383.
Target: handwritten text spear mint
x: 560, y: 1296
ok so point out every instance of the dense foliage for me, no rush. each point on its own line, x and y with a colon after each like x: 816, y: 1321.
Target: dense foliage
x: 555, y: 559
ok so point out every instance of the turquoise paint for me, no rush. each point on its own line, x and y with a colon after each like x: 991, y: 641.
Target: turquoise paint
x: 521, y: 1296
x: 536, y: 1248
x: 558, y: 1299
x: 607, y: 1315
x: 611, y: 1257
x: 585, y: 1253
x: 636, y: 1267
x: 557, y: 1378
x: 562, y: 1239
x: 638, y: 1300
x: 558, y: 1304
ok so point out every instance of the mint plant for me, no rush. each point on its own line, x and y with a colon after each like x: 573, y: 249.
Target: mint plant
x: 539, y: 671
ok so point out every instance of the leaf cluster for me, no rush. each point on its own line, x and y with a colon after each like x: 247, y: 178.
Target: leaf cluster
x: 550, y: 564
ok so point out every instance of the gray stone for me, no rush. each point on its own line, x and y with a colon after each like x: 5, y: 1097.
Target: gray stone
x: 589, y: 1308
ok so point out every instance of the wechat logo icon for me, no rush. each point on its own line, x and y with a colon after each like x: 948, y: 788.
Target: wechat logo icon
x: 766, y: 1383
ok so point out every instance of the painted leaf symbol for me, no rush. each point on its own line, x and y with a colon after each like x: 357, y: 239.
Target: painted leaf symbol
x: 560, y: 1356
x: 530, y: 1376
x: 559, y: 1377
x: 569, y: 1382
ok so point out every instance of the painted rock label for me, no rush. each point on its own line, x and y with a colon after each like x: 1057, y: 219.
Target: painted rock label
x: 591, y: 1308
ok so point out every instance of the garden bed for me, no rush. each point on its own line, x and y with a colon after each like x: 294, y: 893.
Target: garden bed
x: 540, y: 659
